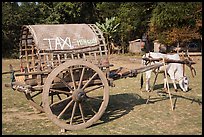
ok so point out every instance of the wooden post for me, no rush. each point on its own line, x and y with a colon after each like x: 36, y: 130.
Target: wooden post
x: 178, y: 47
x: 155, y: 80
x: 183, y: 64
x: 167, y: 84
x: 26, y: 51
x: 33, y: 55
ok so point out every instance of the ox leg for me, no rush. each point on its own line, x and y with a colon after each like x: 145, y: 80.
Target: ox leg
x: 148, y: 85
x: 181, y: 85
x: 174, y: 83
x: 148, y: 75
x: 155, y: 80
x: 171, y: 73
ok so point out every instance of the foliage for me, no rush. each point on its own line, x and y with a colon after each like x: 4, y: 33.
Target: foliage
x: 10, y: 28
x: 176, y: 22
x: 134, y: 18
x: 107, y: 10
x: 67, y: 12
x: 169, y: 22
x: 108, y: 28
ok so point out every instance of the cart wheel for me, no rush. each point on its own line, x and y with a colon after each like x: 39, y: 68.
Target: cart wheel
x: 84, y: 95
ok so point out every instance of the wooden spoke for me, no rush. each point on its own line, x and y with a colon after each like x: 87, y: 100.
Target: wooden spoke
x: 81, y: 78
x: 73, y: 80
x: 59, y: 97
x: 89, y: 81
x: 91, y: 108
x: 64, y: 82
x: 65, y: 109
x: 52, y: 99
x: 81, y: 111
x: 87, y: 91
x: 41, y: 103
x: 73, y: 111
x: 60, y: 101
x: 61, y: 91
x: 95, y: 98
x: 36, y: 94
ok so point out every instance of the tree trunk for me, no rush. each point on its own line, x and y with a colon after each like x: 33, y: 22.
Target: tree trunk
x: 123, y: 47
x: 108, y: 44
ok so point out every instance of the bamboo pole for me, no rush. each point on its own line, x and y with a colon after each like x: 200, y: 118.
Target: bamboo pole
x: 167, y: 83
x: 166, y: 60
x: 183, y: 64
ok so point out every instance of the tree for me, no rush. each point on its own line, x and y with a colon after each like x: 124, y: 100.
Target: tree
x: 25, y: 16
x: 134, y: 18
x: 176, y: 22
x: 88, y: 12
x: 68, y: 12
x: 167, y: 22
x: 106, y: 10
x: 10, y: 29
x: 109, y: 28
x: 48, y: 15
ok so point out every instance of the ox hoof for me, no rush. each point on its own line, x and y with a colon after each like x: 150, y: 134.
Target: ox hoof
x: 176, y: 90
x: 63, y: 130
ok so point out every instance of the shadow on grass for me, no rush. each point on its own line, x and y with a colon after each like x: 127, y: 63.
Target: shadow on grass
x: 120, y: 105
x: 160, y: 86
x: 163, y: 95
x: 171, y: 86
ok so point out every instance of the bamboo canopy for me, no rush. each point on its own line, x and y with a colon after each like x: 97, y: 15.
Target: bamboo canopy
x: 60, y: 36
x: 51, y: 44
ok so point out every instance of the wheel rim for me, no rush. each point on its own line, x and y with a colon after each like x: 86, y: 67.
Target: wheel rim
x: 84, y: 96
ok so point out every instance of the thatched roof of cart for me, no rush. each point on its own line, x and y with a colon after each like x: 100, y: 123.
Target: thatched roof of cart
x: 62, y: 36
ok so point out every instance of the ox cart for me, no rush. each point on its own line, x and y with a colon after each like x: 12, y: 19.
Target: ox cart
x: 65, y: 72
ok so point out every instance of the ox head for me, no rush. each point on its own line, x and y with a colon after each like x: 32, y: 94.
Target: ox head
x: 184, y: 84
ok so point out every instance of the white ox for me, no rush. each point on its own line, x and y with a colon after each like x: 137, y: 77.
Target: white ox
x: 174, y: 70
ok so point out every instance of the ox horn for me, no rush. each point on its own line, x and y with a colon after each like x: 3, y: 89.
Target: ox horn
x: 193, y: 71
x: 189, y: 64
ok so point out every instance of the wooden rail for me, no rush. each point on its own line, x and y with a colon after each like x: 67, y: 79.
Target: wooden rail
x: 185, y: 61
x: 7, y: 72
x: 124, y: 72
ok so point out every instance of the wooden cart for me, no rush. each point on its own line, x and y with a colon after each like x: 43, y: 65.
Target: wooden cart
x: 65, y: 72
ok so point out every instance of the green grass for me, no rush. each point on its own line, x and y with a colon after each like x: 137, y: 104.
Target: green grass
x: 126, y: 114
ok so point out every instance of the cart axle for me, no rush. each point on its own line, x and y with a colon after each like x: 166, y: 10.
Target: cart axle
x: 79, y: 95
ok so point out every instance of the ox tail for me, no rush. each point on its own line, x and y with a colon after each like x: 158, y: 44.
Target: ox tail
x: 141, y: 81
